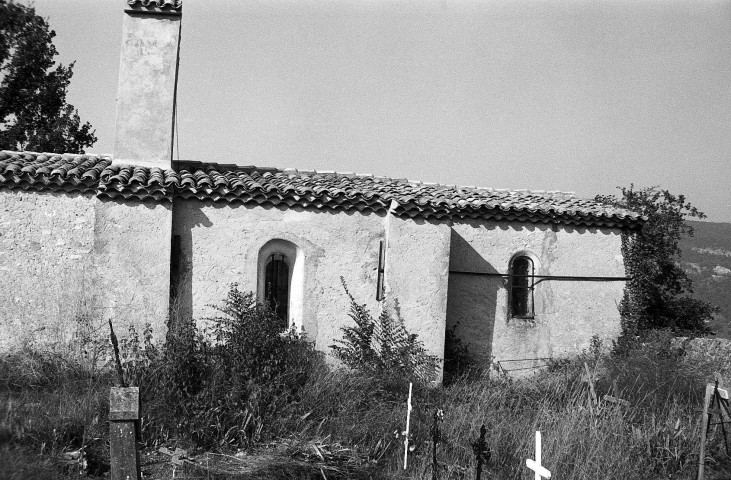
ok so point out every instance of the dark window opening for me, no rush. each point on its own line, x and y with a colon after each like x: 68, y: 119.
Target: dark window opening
x: 521, y: 288
x: 381, y: 271
x: 175, y: 258
x: 276, y: 286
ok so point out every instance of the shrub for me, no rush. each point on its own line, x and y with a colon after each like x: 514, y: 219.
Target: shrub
x: 227, y: 383
x: 658, y: 294
x: 383, y: 348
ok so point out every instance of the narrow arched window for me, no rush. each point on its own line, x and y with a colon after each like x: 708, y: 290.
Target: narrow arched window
x: 280, y: 280
x: 521, y: 287
x: 276, y: 285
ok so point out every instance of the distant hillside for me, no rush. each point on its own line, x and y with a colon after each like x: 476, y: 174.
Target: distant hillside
x: 707, y: 259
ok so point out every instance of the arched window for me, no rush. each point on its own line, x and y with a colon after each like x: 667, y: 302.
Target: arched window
x: 276, y: 286
x: 280, y: 280
x: 521, y: 287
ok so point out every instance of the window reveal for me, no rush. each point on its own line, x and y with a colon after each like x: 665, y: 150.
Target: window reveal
x: 521, y: 288
x: 276, y: 286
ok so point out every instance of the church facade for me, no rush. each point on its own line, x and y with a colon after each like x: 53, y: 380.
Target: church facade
x: 522, y: 275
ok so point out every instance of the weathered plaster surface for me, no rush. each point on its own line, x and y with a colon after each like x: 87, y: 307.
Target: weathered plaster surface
x: 146, y: 90
x: 72, y: 261
x: 132, y: 262
x: 46, y: 266
x: 567, y: 314
x: 68, y: 259
x: 221, y: 244
x: 417, y: 273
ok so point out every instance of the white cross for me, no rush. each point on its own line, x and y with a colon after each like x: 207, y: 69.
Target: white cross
x: 535, y: 465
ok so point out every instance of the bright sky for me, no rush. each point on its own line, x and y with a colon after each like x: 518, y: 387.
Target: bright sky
x: 578, y: 96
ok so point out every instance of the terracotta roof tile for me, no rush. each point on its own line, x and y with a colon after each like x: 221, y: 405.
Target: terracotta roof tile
x: 174, y: 4
x: 305, y: 189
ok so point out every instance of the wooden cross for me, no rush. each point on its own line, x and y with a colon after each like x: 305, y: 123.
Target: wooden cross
x: 535, y: 465
x: 177, y: 457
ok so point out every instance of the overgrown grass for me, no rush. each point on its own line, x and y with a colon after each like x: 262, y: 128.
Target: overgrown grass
x: 657, y: 437
x: 347, y: 424
x: 51, y: 404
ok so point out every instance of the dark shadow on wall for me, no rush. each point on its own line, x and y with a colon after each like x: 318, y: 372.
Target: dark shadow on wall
x: 472, y: 299
x: 187, y: 215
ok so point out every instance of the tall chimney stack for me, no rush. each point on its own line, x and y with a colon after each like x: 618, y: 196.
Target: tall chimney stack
x: 148, y: 77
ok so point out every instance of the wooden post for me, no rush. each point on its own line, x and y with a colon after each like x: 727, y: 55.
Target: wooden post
x: 704, y: 430
x: 481, y: 451
x: 124, y: 414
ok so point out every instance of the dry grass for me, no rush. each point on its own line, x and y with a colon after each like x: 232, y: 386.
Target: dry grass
x: 342, y: 424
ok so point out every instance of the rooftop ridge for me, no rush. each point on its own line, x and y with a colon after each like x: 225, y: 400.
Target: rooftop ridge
x: 290, y: 187
x: 293, y: 170
x: 103, y: 156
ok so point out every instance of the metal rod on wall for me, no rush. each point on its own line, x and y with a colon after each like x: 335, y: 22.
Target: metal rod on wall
x: 569, y: 278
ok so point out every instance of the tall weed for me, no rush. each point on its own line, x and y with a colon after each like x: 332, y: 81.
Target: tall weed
x: 383, y: 347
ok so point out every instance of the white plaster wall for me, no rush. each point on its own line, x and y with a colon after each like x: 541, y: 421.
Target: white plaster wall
x: 567, y: 313
x: 221, y: 243
x: 132, y: 262
x: 417, y: 274
x: 46, y: 266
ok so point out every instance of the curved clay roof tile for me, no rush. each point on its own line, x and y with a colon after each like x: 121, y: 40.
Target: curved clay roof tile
x: 174, y: 4
x: 322, y: 190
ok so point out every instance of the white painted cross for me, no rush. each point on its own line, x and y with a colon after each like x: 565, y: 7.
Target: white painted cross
x: 406, y: 432
x: 535, y: 465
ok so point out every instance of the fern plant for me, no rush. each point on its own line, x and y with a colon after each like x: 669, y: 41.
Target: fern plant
x: 383, y: 347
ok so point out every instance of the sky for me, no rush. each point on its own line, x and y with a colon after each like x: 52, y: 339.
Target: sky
x: 579, y: 96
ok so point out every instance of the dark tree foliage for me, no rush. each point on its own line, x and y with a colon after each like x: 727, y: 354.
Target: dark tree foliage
x: 659, y: 295
x: 34, y: 114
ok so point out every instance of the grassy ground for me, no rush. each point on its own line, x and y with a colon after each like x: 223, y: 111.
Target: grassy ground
x: 342, y: 425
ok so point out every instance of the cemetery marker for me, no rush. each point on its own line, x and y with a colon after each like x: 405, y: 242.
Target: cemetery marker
x: 535, y: 465
x: 124, y: 413
x: 713, y: 393
x: 406, y: 433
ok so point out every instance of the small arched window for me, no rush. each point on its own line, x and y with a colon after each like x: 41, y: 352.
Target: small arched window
x: 280, y: 280
x: 276, y: 286
x: 521, y: 287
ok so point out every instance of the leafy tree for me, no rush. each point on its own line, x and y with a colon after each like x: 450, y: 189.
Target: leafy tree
x: 34, y: 114
x: 659, y: 293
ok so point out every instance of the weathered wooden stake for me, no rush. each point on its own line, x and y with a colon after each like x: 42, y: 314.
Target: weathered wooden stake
x: 482, y: 452
x: 592, y: 392
x: 436, y: 437
x: 713, y: 393
x: 704, y: 431
x: 406, y: 435
x: 124, y: 415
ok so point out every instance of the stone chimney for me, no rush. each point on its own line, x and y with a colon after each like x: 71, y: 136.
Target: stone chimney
x: 148, y: 77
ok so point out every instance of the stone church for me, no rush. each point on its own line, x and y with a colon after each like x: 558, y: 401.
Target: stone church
x: 525, y: 275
